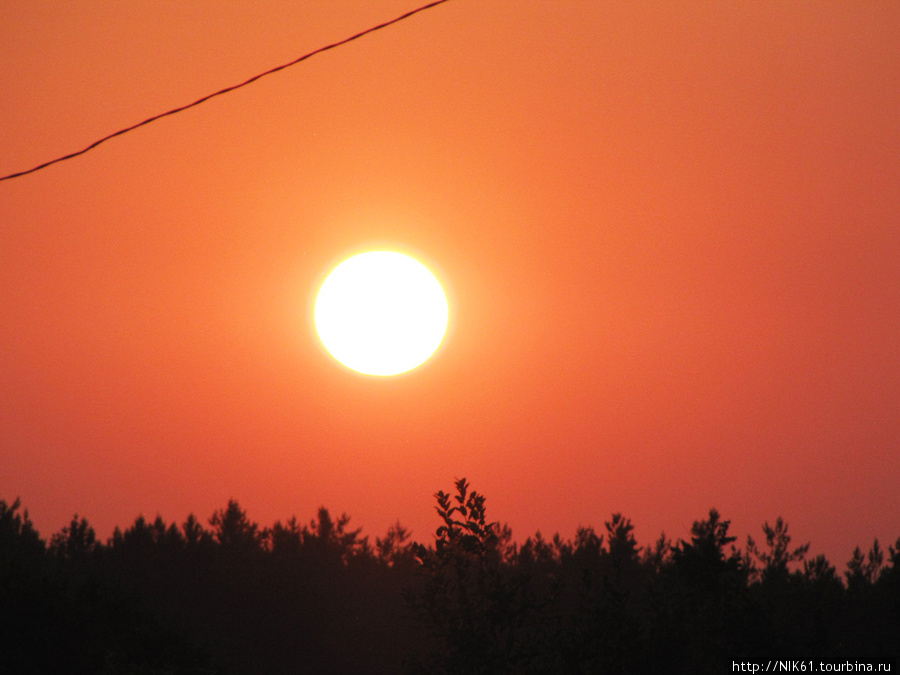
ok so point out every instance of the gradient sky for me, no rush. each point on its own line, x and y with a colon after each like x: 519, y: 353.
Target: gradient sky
x: 670, y: 234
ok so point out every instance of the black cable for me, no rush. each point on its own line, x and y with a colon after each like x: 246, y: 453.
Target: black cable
x: 224, y: 91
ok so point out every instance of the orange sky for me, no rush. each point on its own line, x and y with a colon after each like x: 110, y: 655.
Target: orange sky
x: 669, y: 233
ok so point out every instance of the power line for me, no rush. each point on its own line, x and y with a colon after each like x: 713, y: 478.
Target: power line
x: 120, y: 132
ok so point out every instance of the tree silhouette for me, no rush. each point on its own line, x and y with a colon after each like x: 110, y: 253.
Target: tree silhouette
x: 777, y: 556
x: 285, y: 541
x: 479, y: 605
x: 196, y: 537
x: 395, y: 549
x: 331, y: 541
x: 700, y: 602
x: 862, y: 570
x: 20, y: 543
x: 233, y: 530
x: 76, y: 541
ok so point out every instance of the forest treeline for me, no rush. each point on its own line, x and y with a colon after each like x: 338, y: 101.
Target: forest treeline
x: 237, y: 598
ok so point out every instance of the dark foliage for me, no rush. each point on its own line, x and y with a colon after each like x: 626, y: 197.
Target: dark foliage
x: 235, y: 598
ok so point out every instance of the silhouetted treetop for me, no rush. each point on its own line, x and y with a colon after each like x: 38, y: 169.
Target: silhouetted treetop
x: 233, y: 530
x: 777, y: 555
x: 75, y: 541
x: 19, y: 540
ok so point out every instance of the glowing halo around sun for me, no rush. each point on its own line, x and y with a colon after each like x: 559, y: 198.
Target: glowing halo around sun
x: 381, y: 313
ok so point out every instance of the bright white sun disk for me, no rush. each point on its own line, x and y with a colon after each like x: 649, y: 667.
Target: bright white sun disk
x: 381, y: 313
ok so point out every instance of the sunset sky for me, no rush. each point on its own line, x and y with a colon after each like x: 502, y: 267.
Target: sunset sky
x: 669, y: 235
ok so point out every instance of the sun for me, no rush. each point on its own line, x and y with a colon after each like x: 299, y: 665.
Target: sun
x: 381, y: 313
